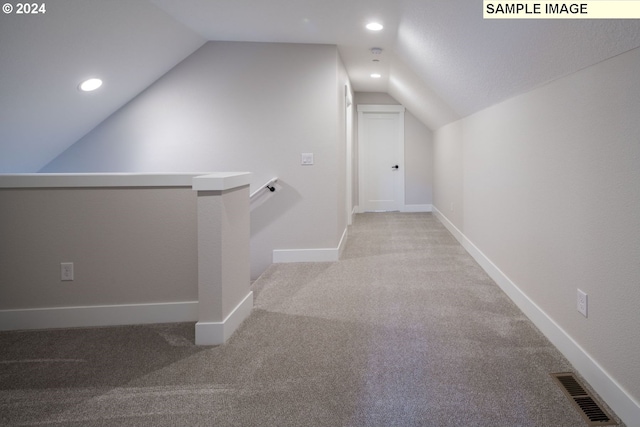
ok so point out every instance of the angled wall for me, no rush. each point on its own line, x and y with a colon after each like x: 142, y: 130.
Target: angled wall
x: 235, y: 106
x: 544, y: 190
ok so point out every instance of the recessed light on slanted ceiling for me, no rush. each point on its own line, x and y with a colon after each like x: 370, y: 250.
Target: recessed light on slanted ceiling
x: 90, y: 84
x: 376, y: 76
x: 374, y: 26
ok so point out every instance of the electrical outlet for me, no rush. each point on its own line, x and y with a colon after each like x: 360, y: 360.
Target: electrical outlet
x: 66, y: 271
x: 583, y: 302
x: 306, y: 158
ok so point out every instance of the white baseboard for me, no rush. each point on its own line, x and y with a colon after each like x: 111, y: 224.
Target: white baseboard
x: 404, y: 208
x: 343, y: 242
x: 417, y: 208
x: 216, y: 333
x: 607, y: 387
x: 99, y: 315
x: 281, y: 256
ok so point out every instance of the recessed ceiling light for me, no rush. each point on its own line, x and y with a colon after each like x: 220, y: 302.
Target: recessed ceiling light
x: 376, y: 75
x: 90, y: 84
x: 374, y: 26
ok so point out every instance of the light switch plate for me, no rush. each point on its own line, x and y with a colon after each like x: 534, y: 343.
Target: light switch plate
x: 306, y: 158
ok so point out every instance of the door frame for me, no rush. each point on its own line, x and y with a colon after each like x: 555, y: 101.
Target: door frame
x: 349, y: 157
x: 387, y: 109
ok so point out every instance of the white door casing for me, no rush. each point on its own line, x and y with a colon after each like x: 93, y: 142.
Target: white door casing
x: 380, y: 150
x: 349, y: 157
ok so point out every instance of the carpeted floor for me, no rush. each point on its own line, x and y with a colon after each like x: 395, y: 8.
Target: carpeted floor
x: 405, y: 330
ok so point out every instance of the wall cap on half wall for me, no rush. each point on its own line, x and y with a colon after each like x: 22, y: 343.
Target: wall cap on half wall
x: 98, y: 180
x: 220, y: 181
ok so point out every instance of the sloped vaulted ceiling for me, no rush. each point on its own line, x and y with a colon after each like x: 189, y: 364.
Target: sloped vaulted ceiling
x: 440, y: 58
x: 473, y: 63
x: 44, y: 57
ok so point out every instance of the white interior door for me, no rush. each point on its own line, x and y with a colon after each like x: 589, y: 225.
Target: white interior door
x: 381, y: 157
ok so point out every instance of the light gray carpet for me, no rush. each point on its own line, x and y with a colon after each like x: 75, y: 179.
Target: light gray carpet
x: 406, y: 330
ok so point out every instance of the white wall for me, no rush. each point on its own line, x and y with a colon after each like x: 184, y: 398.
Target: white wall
x: 549, y: 191
x: 418, y: 151
x: 343, y: 87
x: 418, y: 158
x: 235, y: 106
x: 117, y: 239
x: 448, y: 172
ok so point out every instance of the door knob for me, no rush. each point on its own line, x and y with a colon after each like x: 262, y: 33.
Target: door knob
x: 395, y: 167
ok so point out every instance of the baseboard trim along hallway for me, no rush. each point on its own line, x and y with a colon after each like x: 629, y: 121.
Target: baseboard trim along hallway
x: 215, y: 333
x: 99, y: 315
x: 281, y: 256
x: 403, y: 208
x: 598, y: 378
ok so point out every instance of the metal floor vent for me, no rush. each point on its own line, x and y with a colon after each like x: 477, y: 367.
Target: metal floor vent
x: 586, y: 404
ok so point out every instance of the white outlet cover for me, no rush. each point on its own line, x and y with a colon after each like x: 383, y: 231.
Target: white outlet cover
x: 582, y: 303
x: 306, y: 158
x: 66, y: 271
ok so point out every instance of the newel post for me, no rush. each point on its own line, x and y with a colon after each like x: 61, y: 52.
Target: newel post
x: 224, y: 298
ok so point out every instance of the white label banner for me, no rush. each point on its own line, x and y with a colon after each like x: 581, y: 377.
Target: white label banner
x: 591, y: 9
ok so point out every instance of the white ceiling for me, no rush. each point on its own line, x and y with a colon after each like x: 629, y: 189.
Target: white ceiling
x: 440, y: 58
x: 43, y: 58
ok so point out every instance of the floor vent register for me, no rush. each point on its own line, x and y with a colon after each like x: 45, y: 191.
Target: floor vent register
x: 585, y: 403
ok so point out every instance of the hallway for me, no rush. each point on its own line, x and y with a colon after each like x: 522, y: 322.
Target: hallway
x: 405, y: 330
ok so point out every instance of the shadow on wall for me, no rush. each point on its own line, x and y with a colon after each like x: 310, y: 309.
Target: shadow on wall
x: 268, y: 206
x: 267, y: 210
